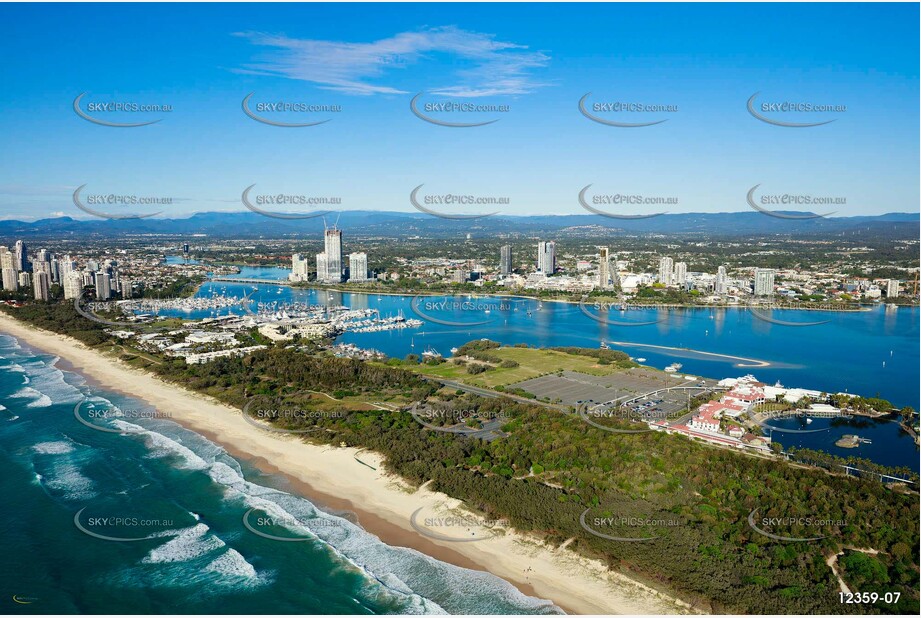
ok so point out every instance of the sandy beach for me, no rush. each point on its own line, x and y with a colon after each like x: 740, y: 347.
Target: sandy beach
x: 383, y: 502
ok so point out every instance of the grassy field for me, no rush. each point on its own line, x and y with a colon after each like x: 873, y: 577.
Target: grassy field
x: 532, y: 363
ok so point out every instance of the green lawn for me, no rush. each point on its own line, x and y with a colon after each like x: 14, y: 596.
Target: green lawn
x: 532, y: 363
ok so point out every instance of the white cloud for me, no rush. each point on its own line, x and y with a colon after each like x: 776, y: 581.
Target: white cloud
x: 492, y: 67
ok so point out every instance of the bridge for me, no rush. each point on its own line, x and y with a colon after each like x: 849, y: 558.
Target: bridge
x: 283, y: 282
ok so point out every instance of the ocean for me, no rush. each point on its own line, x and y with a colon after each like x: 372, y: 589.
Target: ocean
x: 139, y: 515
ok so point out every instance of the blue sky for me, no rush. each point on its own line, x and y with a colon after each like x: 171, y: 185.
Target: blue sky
x: 539, y: 60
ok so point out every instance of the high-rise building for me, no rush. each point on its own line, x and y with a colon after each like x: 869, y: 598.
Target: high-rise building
x: 332, y: 241
x: 722, y: 282
x: 505, y: 260
x: 459, y: 276
x: 666, y: 268
x: 764, y: 282
x: 103, y: 286
x: 20, y: 262
x: 322, y: 267
x: 300, y: 268
x: 10, y: 279
x: 9, y: 274
x: 604, y: 268
x: 892, y: 288
x: 681, y: 274
x: 41, y: 282
x: 73, y: 285
x: 546, y: 257
x: 358, y: 267
x: 25, y: 280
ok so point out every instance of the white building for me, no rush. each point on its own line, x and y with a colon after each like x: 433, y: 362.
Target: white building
x: 546, y: 257
x: 681, y: 274
x: 604, y: 268
x: 892, y: 288
x: 666, y: 270
x: 41, y: 281
x: 722, y: 282
x: 10, y: 280
x: 358, y: 267
x: 73, y: 285
x: 764, y: 282
x: 505, y: 260
x: 322, y: 267
x: 332, y: 240
x: 103, y: 286
x: 300, y: 268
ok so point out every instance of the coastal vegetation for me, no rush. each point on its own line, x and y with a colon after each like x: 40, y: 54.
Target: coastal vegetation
x: 549, y: 468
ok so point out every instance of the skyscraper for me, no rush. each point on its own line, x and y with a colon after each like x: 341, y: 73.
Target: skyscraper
x: 333, y: 243
x: 604, y: 268
x: 103, y: 286
x: 546, y: 257
x: 722, y: 283
x: 10, y: 279
x: 20, y: 262
x: 764, y: 282
x: 73, y: 285
x: 505, y: 260
x: 681, y: 274
x: 41, y: 282
x: 892, y: 288
x: 322, y: 267
x: 358, y: 267
x: 300, y: 268
x: 666, y: 267
x: 9, y: 274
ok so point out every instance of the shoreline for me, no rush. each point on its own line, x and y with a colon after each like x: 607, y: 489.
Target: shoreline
x: 336, y: 479
x: 308, y: 285
x: 571, y: 301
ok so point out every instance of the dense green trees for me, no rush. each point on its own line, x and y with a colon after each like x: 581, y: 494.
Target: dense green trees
x: 551, y: 467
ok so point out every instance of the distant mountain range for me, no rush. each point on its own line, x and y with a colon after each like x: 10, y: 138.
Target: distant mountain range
x: 402, y: 224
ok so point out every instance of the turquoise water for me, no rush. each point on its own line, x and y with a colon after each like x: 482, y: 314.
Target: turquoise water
x: 184, y: 498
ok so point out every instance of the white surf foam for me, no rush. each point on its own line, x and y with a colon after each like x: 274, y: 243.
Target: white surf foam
x: 53, y: 448
x: 188, y: 544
